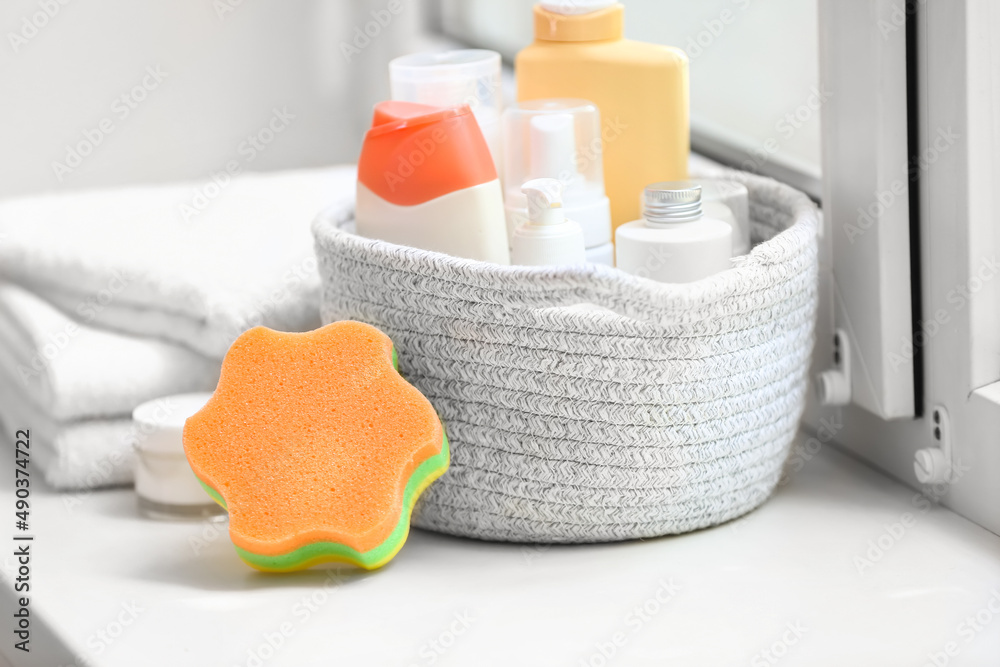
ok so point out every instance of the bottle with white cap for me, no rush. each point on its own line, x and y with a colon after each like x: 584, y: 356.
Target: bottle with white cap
x: 674, y: 242
x: 547, y: 238
x: 559, y: 139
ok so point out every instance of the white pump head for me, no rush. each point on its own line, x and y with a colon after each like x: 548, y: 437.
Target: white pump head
x: 544, y: 201
x: 547, y: 238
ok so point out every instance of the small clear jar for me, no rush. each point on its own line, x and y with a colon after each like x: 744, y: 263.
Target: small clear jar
x: 735, y: 197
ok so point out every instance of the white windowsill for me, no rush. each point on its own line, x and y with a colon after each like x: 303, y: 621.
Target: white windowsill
x: 740, y: 586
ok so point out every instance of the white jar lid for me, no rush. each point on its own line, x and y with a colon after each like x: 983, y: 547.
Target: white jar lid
x: 160, y: 422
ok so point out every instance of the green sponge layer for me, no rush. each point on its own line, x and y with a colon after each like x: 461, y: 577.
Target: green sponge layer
x: 322, y: 552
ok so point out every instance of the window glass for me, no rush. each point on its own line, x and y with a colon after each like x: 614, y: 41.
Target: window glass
x: 755, y: 95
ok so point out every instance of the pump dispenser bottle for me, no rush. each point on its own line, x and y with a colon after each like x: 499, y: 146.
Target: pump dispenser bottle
x: 641, y: 90
x: 560, y: 139
x: 674, y: 242
x: 547, y: 238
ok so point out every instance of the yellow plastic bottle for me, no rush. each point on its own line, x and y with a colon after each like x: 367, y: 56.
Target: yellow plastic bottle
x: 641, y: 90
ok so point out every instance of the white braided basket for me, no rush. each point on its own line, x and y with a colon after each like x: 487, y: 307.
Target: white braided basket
x: 674, y: 412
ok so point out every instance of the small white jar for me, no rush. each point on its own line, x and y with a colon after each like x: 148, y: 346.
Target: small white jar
x: 164, y: 482
x: 674, y: 242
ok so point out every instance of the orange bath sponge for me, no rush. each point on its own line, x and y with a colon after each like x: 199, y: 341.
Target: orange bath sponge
x: 316, y: 446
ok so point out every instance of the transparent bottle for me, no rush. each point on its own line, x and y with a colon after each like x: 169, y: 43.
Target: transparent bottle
x: 559, y: 139
x: 735, y: 198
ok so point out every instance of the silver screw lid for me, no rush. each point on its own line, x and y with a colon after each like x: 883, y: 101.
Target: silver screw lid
x: 672, y: 201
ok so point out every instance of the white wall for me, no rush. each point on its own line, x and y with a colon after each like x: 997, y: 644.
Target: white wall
x: 227, y: 64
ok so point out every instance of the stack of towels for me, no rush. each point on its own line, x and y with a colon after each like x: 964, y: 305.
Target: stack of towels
x: 112, y: 298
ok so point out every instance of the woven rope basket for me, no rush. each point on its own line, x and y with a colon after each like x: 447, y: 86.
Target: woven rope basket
x: 674, y: 411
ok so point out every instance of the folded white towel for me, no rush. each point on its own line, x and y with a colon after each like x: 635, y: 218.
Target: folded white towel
x: 72, y: 371
x: 81, y: 454
x: 193, y: 263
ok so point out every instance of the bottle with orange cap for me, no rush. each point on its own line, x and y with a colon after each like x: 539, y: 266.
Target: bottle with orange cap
x: 426, y: 180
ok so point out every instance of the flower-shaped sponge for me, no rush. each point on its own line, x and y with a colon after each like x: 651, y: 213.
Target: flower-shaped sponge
x: 316, y: 446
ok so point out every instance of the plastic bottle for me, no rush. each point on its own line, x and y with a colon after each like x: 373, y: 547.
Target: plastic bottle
x: 641, y: 91
x: 727, y: 201
x: 560, y: 139
x: 547, y: 238
x: 734, y: 196
x: 451, y: 79
x: 426, y: 180
x: 674, y: 242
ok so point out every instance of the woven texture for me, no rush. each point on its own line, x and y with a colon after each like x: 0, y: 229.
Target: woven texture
x: 671, y: 409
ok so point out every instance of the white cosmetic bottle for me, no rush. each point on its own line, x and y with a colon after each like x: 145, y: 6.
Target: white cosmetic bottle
x: 559, y: 139
x: 547, y: 238
x: 727, y: 201
x: 674, y: 242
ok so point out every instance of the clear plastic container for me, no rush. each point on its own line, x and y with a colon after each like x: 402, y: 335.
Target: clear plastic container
x: 454, y: 78
x: 560, y: 139
x: 735, y: 197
